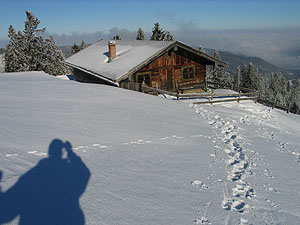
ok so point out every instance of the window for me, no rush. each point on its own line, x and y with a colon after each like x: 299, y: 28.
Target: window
x: 188, y: 72
x: 146, y: 77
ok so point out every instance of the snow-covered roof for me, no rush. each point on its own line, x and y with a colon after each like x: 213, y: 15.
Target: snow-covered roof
x: 129, y: 55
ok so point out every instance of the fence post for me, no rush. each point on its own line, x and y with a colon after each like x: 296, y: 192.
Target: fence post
x: 212, y: 96
x: 156, y: 87
x: 177, y: 90
x: 238, y: 100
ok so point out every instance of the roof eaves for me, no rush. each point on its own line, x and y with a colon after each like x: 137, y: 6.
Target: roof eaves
x: 92, y: 73
x: 202, y: 54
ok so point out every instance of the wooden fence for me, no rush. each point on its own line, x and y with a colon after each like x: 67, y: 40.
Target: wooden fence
x: 241, y: 95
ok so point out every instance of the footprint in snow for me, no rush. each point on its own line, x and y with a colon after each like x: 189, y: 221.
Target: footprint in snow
x: 199, y: 183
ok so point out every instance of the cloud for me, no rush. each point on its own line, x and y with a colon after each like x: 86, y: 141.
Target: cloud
x: 280, y: 47
x: 76, y: 37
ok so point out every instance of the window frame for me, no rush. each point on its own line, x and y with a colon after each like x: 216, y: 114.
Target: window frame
x: 188, y: 68
x: 143, y: 74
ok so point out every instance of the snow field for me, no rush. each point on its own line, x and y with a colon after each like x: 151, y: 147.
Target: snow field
x: 153, y: 160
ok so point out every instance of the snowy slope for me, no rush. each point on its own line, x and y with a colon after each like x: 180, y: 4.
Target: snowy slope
x: 151, y: 160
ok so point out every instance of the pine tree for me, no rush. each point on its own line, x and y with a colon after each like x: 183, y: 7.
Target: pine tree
x: 28, y: 51
x: 218, y: 77
x: 294, y: 99
x: 51, y: 64
x: 83, y: 45
x: 252, y: 79
x: 158, y: 34
x: 75, y: 48
x: 168, y: 36
x: 277, y: 91
x: 116, y: 37
x: 237, y: 77
x: 217, y: 54
x: 140, y: 35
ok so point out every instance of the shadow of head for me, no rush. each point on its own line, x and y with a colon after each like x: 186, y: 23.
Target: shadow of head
x: 56, y: 148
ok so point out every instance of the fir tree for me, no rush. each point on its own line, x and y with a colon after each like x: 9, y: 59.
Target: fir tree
x: 294, y: 99
x: 168, y: 36
x: 158, y: 34
x: 250, y: 78
x: 75, y: 48
x: 28, y: 51
x: 277, y: 91
x: 218, y: 77
x: 83, y: 45
x: 140, y: 35
x: 237, y: 77
x: 51, y: 64
x: 116, y: 37
x: 217, y: 54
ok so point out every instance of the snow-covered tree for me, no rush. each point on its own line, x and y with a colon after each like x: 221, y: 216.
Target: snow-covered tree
x: 218, y: 77
x: 158, y: 34
x: 201, y: 49
x: 237, y: 77
x: 51, y: 63
x: 217, y: 54
x: 140, y: 35
x: 83, y: 45
x: 251, y: 78
x: 294, y: 99
x: 75, y: 48
x: 277, y: 91
x: 28, y: 51
x: 168, y: 36
x: 116, y: 37
x: 1, y: 63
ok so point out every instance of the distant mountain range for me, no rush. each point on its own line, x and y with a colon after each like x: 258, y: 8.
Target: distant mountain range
x: 265, y: 68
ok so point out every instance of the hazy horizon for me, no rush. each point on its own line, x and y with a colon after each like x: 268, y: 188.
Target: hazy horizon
x: 266, y: 29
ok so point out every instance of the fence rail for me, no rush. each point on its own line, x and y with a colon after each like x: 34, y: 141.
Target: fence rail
x: 242, y: 95
x: 237, y: 96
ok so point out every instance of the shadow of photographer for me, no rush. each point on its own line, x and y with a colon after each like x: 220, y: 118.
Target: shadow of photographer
x: 49, y: 192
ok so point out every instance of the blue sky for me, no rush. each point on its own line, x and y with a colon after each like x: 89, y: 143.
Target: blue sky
x: 66, y: 16
x: 73, y: 20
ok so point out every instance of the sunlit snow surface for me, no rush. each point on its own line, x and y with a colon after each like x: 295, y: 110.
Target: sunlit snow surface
x: 154, y: 160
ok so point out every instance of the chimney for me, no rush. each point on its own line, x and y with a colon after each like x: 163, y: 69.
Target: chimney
x: 112, y: 49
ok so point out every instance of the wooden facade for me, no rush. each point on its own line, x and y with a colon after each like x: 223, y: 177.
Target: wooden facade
x: 173, y: 69
x: 170, y: 65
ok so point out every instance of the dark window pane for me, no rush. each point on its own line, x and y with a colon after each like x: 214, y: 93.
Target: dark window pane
x: 140, y: 79
x: 147, y: 79
x: 191, y: 72
x: 185, y: 73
